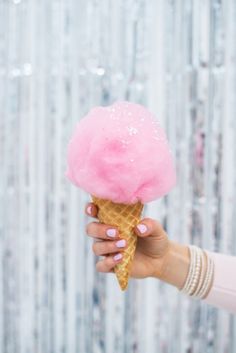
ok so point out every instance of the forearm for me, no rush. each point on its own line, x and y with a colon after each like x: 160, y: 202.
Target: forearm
x: 175, y: 266
x: 188, y: 268
x: 222, y: 287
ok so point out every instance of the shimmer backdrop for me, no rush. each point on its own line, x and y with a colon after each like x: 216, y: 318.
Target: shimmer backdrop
x: 58, y: 58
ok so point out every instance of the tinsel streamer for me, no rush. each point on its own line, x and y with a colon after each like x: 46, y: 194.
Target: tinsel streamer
x: 57, y: 60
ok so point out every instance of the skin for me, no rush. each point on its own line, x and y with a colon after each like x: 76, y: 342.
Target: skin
x: 155, y: 256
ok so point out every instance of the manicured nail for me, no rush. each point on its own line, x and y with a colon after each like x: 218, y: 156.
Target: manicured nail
x: 111, y: 233
x: 142, y: 228
x: 117, y: 257
x: 89, y: 209
x: 121, y: 243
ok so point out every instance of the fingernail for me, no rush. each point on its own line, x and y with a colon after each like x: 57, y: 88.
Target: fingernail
x: 89, y: 209
x: 121, y: 243
x: 142, y: 228
x: 111, y: 233
x: 117, y: 257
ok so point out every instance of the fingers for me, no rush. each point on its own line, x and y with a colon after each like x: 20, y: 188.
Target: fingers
x: 108, y: 247
x: 107, y: 264
x: 91, y: 209
x: 149, y: 227
x: 102, y: 231
x: 96, y: 229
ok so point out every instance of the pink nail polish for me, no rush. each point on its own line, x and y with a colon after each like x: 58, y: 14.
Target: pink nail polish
x: 89, y: 209
x: 142, y: 228
x: 121, y: 243
x: 111, y: 233
x: 117, y: 257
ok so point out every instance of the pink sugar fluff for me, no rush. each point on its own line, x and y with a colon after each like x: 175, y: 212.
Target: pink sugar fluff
x: 121, y: 153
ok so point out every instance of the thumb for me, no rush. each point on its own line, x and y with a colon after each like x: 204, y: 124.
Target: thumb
x: 149, y: 227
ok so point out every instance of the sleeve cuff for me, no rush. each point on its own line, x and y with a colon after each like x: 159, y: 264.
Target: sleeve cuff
x: 223, y: 290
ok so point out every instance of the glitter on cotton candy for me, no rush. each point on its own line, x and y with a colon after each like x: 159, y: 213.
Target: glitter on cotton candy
x: 121, y: 153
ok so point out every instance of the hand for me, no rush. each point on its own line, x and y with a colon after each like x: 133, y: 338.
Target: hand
x: 151, y: 252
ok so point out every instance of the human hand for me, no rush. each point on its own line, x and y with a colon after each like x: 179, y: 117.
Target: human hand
x: 151, y: 252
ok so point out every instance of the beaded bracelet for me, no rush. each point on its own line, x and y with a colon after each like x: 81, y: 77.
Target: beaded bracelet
x: 191, y: 271
x: 208, y: 278
x: 202, y: 276
x: 199, y: 278
x: 197, y: 272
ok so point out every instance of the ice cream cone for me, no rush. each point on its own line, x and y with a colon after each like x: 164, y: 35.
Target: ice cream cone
x: 125, y: 218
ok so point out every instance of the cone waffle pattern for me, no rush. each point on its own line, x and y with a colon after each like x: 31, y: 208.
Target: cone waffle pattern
x: 125, y: 218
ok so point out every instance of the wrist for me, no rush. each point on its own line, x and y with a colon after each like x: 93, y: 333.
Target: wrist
x: 173, y: 267
x: 201, y: 273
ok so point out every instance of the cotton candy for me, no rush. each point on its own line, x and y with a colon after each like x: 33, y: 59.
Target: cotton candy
x: 121, y: 153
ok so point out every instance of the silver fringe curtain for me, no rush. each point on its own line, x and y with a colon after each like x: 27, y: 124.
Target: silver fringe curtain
x: 58, y: 58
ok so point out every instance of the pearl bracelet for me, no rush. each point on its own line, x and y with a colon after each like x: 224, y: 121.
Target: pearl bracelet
x: 208, y: 278
x: 197, y: 271
x: 199, y: 278
x: 202, y: 273
x: 193, y: 270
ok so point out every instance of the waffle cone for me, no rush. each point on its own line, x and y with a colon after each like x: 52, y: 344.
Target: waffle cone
x: 125, y: 218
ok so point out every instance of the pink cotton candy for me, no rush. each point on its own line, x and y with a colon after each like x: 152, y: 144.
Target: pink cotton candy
x: 121, y: 153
